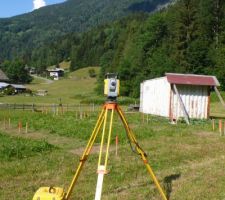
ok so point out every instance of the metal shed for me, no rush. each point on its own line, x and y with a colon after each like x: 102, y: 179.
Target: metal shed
x: 178, y: 95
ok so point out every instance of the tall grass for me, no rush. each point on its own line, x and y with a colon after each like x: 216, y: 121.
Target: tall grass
x: 12, y: 148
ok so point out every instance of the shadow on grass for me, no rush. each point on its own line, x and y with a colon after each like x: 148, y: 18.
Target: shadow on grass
x: 168, y: 183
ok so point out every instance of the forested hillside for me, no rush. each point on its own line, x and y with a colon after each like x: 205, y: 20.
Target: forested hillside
x: 188, y: 37
x: 21, y: 34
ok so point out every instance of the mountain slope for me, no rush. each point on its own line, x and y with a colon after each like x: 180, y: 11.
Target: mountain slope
x: 20, y: 34
x: 188, y: 37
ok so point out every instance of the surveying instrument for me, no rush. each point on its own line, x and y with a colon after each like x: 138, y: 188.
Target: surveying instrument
x: 111, y: 91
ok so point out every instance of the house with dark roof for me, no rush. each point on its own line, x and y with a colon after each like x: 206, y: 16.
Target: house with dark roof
x: 15, y: 88
x: 56, y: 73
x: 5, y: 85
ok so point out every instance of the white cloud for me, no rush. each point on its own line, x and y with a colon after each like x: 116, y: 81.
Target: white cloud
x: 39, y: 3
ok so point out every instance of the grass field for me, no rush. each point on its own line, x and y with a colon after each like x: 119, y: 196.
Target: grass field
x: 184, y: 158
x: 189, y: 161
x: 70, y: 89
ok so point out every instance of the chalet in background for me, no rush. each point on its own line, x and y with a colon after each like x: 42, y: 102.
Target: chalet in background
x: 56, y: 73
x: 5, y: 86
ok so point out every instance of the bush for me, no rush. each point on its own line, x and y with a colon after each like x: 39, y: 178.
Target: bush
x: 92, y: 73
x: 9, y: 91
x: 28, y: 91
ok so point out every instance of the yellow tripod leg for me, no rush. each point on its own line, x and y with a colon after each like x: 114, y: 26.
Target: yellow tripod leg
x: 109, y: 139
x: 103, y: 137
x: 86, y: 152
x: 102, y: 169
x: 141, y: 153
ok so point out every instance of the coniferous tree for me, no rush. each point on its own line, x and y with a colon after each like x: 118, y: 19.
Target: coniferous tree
x: 185, y: 28
x: 16, y: 71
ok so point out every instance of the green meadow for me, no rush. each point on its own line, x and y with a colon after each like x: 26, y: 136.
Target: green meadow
x: 187, y: 160
x: 70, y: 89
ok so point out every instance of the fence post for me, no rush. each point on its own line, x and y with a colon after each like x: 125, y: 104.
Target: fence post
x: 26, y: 127
x: 220, y: 127
x: 9, y: 123
x: 62, y: 110
x: 19, y: 126
x: 57, y: 110
x: 213, y: 124
x: 224, y: 128
x: 54, y: 109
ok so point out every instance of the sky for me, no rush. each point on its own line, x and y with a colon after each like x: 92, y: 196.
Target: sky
x: 9, y: 8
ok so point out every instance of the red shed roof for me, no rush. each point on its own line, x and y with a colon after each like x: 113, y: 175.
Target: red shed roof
x: 192, y: 79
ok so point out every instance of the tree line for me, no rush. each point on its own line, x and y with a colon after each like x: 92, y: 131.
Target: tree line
x: 187, y: 37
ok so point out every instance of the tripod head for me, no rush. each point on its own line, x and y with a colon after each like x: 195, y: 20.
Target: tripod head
x: 111, y: 86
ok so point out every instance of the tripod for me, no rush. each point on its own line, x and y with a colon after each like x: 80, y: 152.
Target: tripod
x: 102, y: 161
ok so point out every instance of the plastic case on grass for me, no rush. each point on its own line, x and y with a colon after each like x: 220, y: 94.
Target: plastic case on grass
x: 49, y: 193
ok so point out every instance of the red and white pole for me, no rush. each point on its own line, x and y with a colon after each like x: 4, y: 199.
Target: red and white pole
x: 220, y: 126
x: 20, y: 126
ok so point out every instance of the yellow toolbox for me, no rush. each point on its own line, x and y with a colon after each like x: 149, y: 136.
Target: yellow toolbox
x: 49, y: 193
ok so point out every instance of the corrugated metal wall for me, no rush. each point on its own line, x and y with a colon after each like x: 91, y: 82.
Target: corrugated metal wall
x: 155, y: 97
x: 195, y: 99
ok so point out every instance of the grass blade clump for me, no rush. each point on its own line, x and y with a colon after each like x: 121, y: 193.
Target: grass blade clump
x: 12, y: 148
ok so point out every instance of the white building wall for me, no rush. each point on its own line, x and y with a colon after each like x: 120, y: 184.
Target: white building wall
x: 155, y: 97
x: 54, y: 74
x: 141, y: 97
x: 195, y: 99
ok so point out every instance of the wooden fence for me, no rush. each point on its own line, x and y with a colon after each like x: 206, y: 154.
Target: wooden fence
x: 52, y: 107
